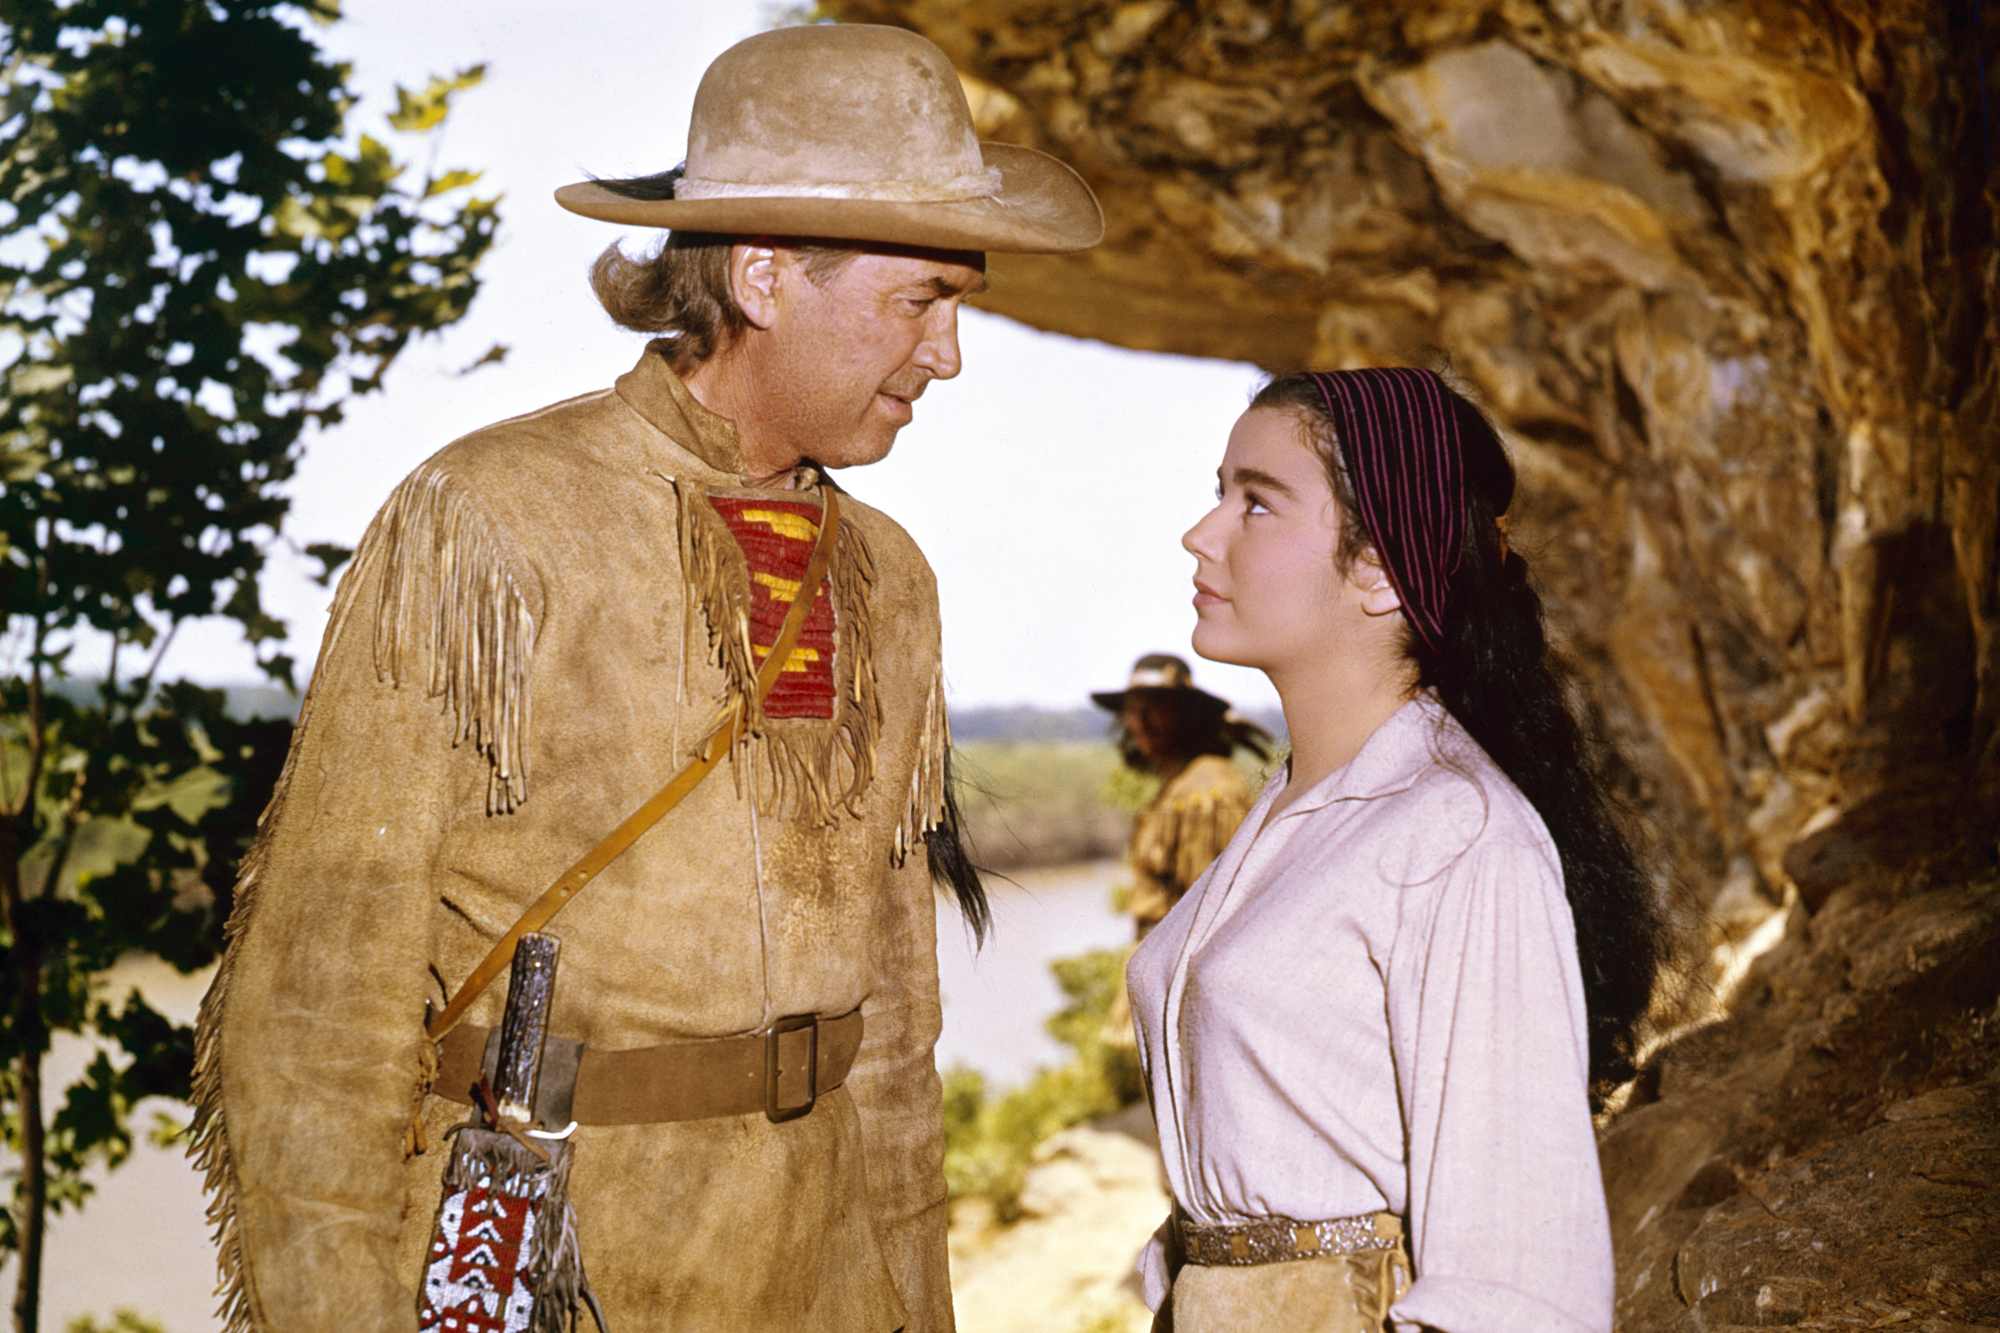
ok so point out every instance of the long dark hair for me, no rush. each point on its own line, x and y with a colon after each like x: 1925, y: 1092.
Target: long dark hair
x: 1494, y: 670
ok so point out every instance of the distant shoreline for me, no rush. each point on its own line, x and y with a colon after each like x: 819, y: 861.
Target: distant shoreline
x: 969, y: 722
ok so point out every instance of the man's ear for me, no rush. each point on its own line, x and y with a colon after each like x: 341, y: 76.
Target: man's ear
x: 753, y: 281
x: 1378, y: 590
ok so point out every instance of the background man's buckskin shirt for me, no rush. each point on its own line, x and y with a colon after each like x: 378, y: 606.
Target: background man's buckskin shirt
x: 511, y: 639
x: 1184, y: 827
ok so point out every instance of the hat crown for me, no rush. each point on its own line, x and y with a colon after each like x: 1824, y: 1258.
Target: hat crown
x: 836, y: 107
x: 853, y: 132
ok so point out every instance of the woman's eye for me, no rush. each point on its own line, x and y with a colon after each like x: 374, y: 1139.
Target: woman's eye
x: 1254, y: 504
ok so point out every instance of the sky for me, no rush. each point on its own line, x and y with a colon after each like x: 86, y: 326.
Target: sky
x: 1048, y: 484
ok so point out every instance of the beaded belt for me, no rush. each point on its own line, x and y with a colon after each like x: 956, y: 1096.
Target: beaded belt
x: 1270, y: 1240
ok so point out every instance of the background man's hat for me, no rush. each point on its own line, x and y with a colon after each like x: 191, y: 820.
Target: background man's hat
x: 1160, y: 673
x: 853, y: 132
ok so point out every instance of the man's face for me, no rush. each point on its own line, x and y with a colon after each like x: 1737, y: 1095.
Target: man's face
x: 852, y: 353
x: 1147, y: 719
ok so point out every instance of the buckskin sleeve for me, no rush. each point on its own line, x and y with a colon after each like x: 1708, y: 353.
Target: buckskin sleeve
x: 311, y: 1059
x: 894, y: 1082
x: 897, y: 1091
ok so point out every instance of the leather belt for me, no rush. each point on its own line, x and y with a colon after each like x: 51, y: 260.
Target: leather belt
x: 1270, y: 1240
x: 780, y: 1071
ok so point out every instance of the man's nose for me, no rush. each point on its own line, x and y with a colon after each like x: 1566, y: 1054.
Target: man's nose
x: 938, y: 352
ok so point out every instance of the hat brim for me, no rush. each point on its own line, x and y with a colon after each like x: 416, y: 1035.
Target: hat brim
x: 1189, y: 694
x: 1043, y: 207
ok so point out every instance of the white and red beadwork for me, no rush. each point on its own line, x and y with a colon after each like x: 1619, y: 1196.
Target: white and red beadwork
x: 476, y: 1278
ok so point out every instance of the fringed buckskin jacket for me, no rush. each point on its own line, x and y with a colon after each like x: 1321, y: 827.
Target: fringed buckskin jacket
x: 537, y: 629
x: 1180, y: 831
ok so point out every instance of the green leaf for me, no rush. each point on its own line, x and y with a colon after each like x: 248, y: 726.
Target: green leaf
x: 414, y: 114
x: 21, y: 464
x: 449, y: 181
x: 492, y: 356
x: 100, y: 846
x: 35, y: 377
x: 140, y: 508
x: 168, y: 1131
x: 122, y: 1320
x: 331, y: 557
x: 426, y: 110
x: 190, y: 796
x: 293, y: 217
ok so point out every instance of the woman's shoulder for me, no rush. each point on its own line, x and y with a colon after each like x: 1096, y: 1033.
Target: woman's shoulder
x: 1463, y: 812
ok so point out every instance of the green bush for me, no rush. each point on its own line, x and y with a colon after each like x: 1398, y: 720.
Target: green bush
x: 990, y: 1141
x: 124, y: 1321
x: 1039, y: 803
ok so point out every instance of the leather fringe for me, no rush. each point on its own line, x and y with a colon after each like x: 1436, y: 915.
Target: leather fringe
x: 451, y: 577
x: 482, y: 635
x: 715, y: 577
x: 925, y: 807
x: 208, y: 1131
x: 807, y: 770
x: 1178, y: 840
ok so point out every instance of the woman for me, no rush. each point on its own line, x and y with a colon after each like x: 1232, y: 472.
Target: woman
x: 1393, y: 996
x: 1184, y: 736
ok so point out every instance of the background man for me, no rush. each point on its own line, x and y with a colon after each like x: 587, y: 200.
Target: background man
x: 1185, y: 737
x: 541, y: 622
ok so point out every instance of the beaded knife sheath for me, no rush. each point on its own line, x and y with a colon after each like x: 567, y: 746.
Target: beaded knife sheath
x: 504, y: 1256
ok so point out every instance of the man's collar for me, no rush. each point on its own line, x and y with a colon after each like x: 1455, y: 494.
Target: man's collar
x: 659, y: 395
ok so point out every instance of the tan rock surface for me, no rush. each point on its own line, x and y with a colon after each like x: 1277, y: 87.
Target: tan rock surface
x: 1726, y: 274
x: 1092, y: 1198
x: 1725, y: 271
x: 1830, y: 1156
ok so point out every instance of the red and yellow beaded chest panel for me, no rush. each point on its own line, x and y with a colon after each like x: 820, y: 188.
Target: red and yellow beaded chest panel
x: 776, y: 537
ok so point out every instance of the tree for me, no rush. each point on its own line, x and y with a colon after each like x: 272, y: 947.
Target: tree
x: 198, y: 264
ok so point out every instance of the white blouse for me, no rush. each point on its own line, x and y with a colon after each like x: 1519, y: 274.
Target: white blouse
x: 1374, y: 1004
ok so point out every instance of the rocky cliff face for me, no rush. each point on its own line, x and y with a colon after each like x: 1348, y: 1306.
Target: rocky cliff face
x: 1827, y: 1157
x: 1725, y: 271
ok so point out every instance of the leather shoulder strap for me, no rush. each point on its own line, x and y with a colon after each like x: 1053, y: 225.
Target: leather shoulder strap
x: 707, y: 756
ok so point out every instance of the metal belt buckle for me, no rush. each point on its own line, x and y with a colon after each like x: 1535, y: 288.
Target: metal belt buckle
x: 790, y: 1023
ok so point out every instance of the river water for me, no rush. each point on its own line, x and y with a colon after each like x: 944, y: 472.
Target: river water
x: 141, y: 1242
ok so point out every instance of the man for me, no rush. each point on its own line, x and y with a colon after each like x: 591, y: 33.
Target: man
x: 1184, y: 736
x: 542, y: 623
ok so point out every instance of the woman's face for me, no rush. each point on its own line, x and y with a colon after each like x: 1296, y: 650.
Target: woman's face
x: 1268, y: 593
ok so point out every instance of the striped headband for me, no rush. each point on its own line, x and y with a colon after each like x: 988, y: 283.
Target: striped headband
x: 1400, y: 441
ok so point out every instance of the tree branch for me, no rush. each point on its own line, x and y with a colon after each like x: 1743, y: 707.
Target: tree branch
x: 33, y: 1189
x: 159, y: 655
x: 38, y: 741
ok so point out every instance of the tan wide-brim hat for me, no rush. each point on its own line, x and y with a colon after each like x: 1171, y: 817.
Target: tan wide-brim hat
x: 1164, y: 675
x: 851, y: 132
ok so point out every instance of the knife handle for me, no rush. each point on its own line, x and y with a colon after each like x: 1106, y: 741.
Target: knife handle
x: 525, y: 1026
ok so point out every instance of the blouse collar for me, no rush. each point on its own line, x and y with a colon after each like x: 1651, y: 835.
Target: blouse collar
x: 1391, y: 760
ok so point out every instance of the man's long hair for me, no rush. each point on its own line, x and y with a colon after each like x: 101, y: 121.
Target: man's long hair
x: 681, y: 289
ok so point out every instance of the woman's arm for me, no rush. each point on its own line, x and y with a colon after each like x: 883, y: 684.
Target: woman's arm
x: 1506, y: 1203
